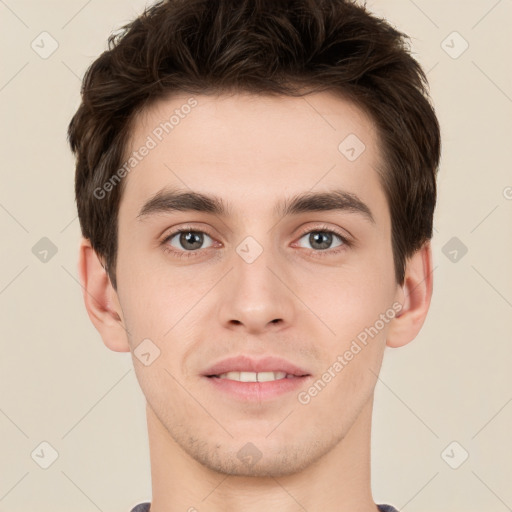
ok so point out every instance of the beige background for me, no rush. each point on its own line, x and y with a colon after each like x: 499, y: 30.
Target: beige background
x: 62, y: 386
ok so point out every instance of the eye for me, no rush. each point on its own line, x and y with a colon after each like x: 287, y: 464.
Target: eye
x: 185, y: 242
x: 321, y: 239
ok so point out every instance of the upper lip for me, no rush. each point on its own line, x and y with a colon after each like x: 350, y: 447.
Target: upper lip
x: 249, y: 364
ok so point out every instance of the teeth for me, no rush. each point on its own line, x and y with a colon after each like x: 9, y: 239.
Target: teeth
x: 254, y: 377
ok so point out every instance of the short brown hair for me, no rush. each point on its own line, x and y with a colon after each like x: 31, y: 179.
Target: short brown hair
x: 287, y: 47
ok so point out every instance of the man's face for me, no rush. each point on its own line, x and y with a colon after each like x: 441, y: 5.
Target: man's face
x: 252, y: 281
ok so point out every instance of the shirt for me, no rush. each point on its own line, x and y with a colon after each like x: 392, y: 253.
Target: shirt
x: 144, y: 507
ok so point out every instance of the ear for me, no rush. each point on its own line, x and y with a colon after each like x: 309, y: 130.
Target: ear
x: 101, y: 300
x: 414, y: 295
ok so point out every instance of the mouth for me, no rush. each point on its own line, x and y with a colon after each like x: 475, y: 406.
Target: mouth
x: 246, y: 376
x: 246, y: 379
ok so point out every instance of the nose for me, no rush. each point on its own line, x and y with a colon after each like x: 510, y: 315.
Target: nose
x: 256, y: 295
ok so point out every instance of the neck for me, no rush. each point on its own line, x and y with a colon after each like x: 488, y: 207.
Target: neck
x: 338, y: 481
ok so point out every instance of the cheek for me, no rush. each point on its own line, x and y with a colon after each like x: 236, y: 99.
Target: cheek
x: 353, y: 297
x: 158, y: 300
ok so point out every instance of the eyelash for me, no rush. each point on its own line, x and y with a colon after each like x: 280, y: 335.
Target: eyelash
x: 318, y: 253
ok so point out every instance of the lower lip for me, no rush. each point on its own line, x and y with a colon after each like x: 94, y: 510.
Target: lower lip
x: 257, y: 391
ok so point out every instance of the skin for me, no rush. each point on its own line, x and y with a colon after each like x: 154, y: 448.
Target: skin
x: 254, y: 151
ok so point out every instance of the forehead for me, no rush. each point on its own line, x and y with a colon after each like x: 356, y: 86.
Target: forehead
x: 251, y: 149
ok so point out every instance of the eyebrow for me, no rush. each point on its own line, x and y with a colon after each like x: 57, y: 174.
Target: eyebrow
x: 169, y: 200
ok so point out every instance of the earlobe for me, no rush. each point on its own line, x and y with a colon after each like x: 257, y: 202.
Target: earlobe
x: 100, y: 299
x: 415, y: 296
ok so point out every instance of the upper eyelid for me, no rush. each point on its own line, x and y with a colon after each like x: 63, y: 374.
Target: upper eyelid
x: 307, y: 230
x: 185, y: 229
